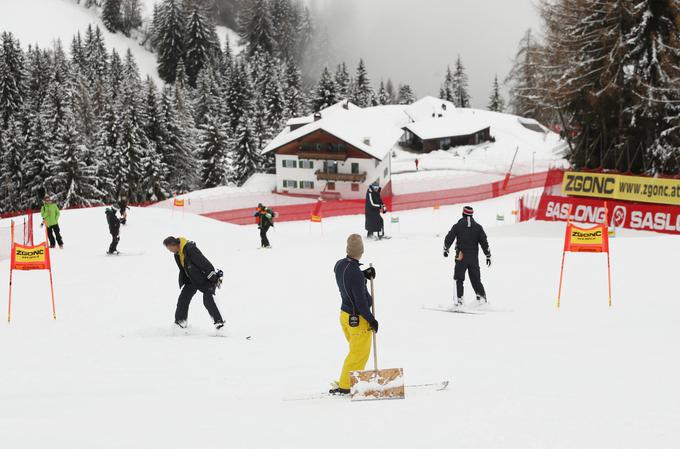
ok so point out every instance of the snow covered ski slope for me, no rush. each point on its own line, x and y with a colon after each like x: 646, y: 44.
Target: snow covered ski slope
x: 110, y: 373
x: 42, y: 22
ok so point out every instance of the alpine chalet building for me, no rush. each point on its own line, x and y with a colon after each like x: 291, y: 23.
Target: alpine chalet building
x: 339, y: 151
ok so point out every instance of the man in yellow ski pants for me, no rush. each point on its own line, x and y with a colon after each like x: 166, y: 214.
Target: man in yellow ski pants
x: 356, y: 319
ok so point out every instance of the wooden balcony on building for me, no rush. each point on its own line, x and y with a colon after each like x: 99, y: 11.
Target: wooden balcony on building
x: 323, y: 155
x: 342, y: 177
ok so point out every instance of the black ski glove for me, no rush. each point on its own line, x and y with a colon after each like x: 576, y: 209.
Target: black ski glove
x: 216, y: 278
x: 488, y: 260
x: 374, y: 325
x: 446, y: 252
x: 369, y: 273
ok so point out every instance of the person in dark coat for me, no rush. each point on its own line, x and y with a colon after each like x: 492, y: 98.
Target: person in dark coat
x: 196, y: 273
x: 373, y: 208
x: 114, y: 229
x: 357, y: 322
x: 265, y: 220
x: 469, y: 236
x: 123, y: 208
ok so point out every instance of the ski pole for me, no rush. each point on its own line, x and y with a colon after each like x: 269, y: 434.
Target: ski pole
x: 375, y: 343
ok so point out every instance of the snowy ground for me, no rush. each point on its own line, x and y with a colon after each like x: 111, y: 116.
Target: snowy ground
x: 258, y: 189
x: 110, y: 374
x: 42, y: 22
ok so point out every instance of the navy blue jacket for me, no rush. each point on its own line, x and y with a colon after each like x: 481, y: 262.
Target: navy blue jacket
x: 356, y: 300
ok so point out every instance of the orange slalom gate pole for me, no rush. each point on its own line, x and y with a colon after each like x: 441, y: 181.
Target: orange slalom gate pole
x: 9, y: 302
x: 54, y: 309
x: 559, y: 292
x: 564, y: 252
x: 609, y: 276
x: 609, y: 270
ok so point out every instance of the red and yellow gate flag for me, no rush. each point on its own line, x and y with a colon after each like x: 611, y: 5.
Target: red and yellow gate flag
x: 178, y: 203
x: 30, y: 257
x: 24, y: 258
x: 586, y: 240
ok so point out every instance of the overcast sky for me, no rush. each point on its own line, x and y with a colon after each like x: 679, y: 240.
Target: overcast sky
x: 413, y: 40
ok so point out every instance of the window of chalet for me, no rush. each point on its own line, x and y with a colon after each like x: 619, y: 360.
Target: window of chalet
x: 342, y: 147
x: 386, y: 172
x: 445, y: 143
x: 287, y: 184
x: 355, y: 168
x: 355, y: 187
x: 377, y: 162
x: 330, y: 186
x: 306, y: 146
x: 330, y: 166
x: 306, y: 184
x: 289, y: 163
x: 306, y: 164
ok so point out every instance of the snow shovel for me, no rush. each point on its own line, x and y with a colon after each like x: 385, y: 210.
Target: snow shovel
x: 377, y: 383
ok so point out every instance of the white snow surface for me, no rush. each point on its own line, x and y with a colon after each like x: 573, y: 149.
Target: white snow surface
x: 258, y: 189
x: 109, y: 373
x: 43, y: 22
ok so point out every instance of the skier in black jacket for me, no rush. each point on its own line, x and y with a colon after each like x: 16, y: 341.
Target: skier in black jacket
x: 373, y: 208
x: 114, y: 229
x: 196, y: 273
x: 469, y: 236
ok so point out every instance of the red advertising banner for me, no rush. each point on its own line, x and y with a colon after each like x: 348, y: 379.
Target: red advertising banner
x: 640, y: 217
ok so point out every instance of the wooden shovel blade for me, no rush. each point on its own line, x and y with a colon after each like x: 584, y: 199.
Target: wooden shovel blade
x: 373, y: 385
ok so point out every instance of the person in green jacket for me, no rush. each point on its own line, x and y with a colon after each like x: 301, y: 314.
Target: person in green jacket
x: 50, y: 215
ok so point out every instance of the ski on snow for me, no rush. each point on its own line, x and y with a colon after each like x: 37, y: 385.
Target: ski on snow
x: 124, y: 254
x: 176, y: 331
x: 476, y: 309
x: 435, y: 386
x: 452, y: 309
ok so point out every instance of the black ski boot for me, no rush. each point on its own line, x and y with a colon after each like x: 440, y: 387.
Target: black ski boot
x: 339, y: 391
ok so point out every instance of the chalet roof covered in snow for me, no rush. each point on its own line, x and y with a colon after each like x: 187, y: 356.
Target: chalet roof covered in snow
x: 532, y: 124
x: 448, y: 126
x: 344, y: 105
x: 429, y: 107
x: 364, y: 129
